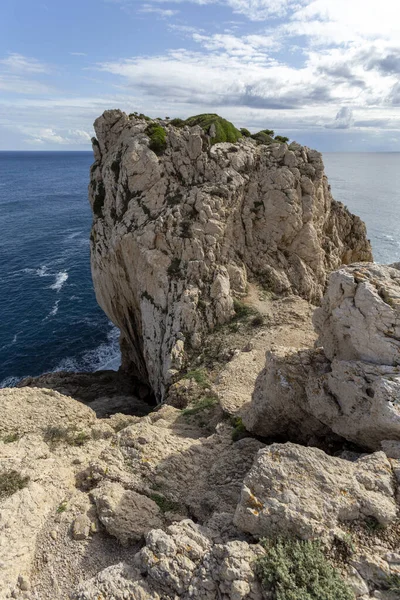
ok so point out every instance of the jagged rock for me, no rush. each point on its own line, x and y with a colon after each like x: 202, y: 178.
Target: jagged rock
x: 279, y: 403
x: 359, y: 318
x: 174, y: 236
x: 184, y: 561
x: 125, y: 514
x: 357, y: 400
x: 304, y: 492
x: 172, y: 458
x: 354, y: 390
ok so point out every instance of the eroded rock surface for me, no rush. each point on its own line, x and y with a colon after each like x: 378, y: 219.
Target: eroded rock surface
x: 175, y: 237
x: 350, y: 386
x: 302, y: 491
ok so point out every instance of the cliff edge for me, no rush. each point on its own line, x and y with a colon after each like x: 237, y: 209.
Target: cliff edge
x: 181, y: 224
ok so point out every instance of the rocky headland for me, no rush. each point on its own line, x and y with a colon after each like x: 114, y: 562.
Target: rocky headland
x: 249, y: 447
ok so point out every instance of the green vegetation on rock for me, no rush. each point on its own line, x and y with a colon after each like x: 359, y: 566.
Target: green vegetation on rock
x: 11, y: 482
x: 164, y: 504
x: 158, y: 138
x: 298, y: 570
x: 263, y: 138
x: 224, y: 131
x: 282, y: 139
x: 245, y: 132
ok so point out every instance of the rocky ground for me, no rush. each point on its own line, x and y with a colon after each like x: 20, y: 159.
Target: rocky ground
x: 80, y: 495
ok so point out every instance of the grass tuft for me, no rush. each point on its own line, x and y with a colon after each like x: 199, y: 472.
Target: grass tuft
x: 11, y: 482
x: 164, y: 504
x: 224, y: 130
x: 298, y: 570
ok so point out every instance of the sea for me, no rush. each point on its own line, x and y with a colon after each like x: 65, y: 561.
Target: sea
x: 50, y: 320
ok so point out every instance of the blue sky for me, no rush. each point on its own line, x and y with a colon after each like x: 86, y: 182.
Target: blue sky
x: 323, y: 72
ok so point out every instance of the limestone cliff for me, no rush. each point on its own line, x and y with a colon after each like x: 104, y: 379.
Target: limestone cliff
x: 178, y: 231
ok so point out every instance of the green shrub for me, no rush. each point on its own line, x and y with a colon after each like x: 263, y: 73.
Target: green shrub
x: 239, y: 430
x: 298, y: 570
x: 177, y: 122
x: 11, y: 482
x: 69, y: 435
x: 200, y: 376
x: 245, y: 132
x: 282, y: 139
x: 270, y: 132
x: 241, y: 309
x: 158, y: 138
x: 394, y: 583
x: 263, y: 138
x: 204, y: 404
x: 11, y: 437
x: 224, y: 130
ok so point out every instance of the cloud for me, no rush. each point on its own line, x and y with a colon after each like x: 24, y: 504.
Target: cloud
x: 44, y: 136
x: 344, y: 119
x: 78, y: 54
x: 163, y: 13
x: 22, y: 64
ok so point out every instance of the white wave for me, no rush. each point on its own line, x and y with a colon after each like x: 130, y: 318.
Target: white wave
x: 61, y: 278
x: 106, y: 356
x: 9, y: 382
x: 73, y: 235
x: 43, y: 271
x: 54, y: 310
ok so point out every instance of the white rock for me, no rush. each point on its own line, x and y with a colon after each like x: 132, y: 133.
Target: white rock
x: 304, y: 492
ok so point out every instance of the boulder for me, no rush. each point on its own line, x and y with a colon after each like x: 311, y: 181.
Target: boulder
x: 279, y: 404
x: 357, y: 400
x: 125, y: 514
x: 175, y: 234
x: 304, y: 492
x: 359, y: 318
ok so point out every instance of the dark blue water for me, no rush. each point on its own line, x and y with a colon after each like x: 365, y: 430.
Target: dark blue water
x: 49, y: 316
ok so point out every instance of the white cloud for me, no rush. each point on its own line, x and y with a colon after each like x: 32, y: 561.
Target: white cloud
x: 23, y: 64
x: 161, y: 12
x: 44, y: 136
x: 344, y: 119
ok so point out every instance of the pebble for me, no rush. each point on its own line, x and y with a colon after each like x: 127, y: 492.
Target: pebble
x: 53, y: 534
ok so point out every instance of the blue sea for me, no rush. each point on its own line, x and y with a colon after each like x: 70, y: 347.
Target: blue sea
x: 49, y: 316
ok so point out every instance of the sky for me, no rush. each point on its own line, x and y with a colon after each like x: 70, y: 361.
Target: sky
x: 325, y: 73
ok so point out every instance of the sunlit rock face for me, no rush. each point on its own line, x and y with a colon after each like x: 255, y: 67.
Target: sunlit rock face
x: 177, y: 234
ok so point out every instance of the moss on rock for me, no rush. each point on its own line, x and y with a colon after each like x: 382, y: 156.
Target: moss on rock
x: 219, y: 129
x: 158, y: 138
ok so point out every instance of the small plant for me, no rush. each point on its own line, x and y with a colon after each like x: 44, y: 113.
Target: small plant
x: 298, y: 570
x: 164, y: 504
x: 393, y: 582
x: 258, y: 321
x: 158, y: 138
x: 241, y: 309
x: 204, y: 404
x: 11, y: 437
x: 62, y: 507
x: 177, y: 122
x: 263, y: 138
x: 200, y: 376
x: 282, y: 139
x: 239, y: 430
x: 11, y: 482
x: 69, y: 435
x: 245, y: 132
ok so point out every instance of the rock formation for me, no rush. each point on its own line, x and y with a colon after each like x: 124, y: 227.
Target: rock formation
x: 352, y: 386
x: 177, y: 233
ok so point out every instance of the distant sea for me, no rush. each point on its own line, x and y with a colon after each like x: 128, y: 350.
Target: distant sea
x: 50, y: 320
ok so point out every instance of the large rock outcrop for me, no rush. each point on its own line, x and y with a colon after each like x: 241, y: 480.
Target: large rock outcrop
x: 304, y: 492
x: 176, y: 235
x: 352, y: 386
